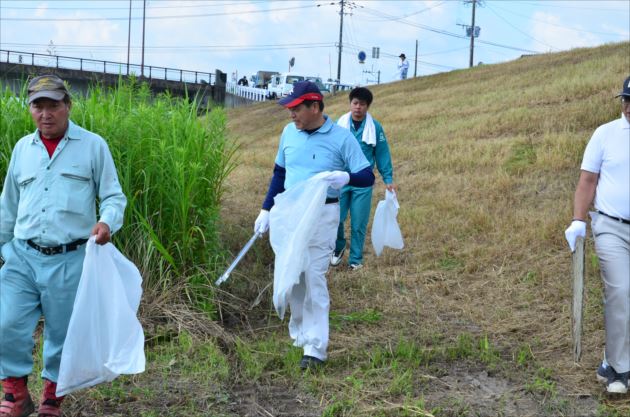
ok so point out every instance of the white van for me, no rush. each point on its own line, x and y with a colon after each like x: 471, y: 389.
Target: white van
x: 281, y: 85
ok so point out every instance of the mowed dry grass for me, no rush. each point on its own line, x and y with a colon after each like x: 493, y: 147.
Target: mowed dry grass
x: 486, y: 160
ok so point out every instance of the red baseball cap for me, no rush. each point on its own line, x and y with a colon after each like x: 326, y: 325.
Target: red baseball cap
x: 302, y: 90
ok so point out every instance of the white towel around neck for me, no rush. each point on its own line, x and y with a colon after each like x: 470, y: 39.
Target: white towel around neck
x: 369, y: 130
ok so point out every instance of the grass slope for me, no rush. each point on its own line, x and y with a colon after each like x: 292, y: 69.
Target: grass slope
x: 487, y: 160
x: 472, y: 318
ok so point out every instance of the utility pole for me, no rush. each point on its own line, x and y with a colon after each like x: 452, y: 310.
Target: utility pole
x: 415, y: 68
x: 472, y: 35
x: 340, y: 42
x: 144, y: 8
x: 371, y: 72
x: 129, y: 38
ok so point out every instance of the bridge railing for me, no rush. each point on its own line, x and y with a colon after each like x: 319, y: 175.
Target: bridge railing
x: 105, y: 67
x: 250, y: 93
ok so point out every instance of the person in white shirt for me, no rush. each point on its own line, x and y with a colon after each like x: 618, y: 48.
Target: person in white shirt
x: 605, y: 183
x: 403, y: 66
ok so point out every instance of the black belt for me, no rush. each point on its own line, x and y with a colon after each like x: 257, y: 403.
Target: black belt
x: 330, y: 200
x: 54, y: 250
x: 619, y: 219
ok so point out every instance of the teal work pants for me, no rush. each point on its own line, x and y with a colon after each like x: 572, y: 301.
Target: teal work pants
x: 31, y: 285
x: 358, y: 202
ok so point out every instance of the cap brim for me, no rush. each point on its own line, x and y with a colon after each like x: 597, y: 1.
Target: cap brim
x: 623, y: 95
x: 53, y: 95
x: 289, y: 101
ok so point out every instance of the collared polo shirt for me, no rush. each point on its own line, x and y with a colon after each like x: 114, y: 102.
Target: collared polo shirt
x: 608, y: 154
x: 330, y: 148
x: 52, y: 200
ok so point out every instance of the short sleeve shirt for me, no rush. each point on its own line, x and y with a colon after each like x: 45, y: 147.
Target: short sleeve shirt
x: 608, y: 154
x: 330, y: 148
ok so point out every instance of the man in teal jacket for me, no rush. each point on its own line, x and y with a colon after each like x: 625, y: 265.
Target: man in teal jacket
x: 369, y: 133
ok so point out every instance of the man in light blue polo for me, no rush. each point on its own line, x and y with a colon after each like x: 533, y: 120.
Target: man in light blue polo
x: 311, y: 144
x: 47, y: 212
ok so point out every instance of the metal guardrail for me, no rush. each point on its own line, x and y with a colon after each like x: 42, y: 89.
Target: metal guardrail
x: 105, y: 67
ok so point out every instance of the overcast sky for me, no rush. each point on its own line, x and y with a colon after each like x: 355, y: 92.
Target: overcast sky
x: 246, y: 36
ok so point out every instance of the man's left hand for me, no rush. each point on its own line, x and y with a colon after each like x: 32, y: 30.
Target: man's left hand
x: 337, y: 179
x: 102, y: 233
x: 391, y: 187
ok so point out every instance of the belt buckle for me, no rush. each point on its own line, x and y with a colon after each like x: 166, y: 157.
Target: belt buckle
x: 47, y: 251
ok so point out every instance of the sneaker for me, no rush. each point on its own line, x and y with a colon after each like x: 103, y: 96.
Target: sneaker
x: 355, y: 267
x: 603, y: 371
x: 335, y: 258
x: 310, y: 362
x: 617, y: 382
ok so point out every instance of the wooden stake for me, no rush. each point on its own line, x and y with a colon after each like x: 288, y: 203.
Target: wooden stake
x: 578, y: 297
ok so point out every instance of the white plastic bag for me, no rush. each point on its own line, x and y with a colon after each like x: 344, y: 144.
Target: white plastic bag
x: 292, y: 220
x: 385, y: 229
x: 105, y: 338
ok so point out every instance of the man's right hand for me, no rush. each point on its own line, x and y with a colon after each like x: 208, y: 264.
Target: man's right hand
x: 262, y: 222
x: 577, y: 228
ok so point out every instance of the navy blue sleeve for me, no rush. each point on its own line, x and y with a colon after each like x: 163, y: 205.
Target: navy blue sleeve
x: 363, y: 178
x: 276, y: 186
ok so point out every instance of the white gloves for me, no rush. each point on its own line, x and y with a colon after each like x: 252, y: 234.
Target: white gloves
x: 262, y: 222
x: 577, y: 228
x: 337, y: 179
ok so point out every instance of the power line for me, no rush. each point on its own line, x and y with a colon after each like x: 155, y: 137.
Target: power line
x: 445, y: 51
x: 555, y: 24
x: 429, y: 64
x: 394, y: 56
x: 394, y: 18
x: 212, y: 3
x: 548, y: 3
x: 455, y: 35
x: 183, y: 49
x: 88, y: 19
x: 517, y: 29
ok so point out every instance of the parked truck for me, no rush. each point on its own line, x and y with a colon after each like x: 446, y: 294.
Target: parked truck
x: 262, y: 78
x: 281, y: 85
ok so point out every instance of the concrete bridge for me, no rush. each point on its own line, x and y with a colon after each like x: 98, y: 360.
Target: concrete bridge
x: 16, y: 67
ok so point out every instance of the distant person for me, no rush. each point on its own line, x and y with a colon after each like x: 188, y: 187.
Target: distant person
x: 311, y: 144
x: 358, y: 200
x: 403, y: 66
x: 56, y: 179
x: 605, y: 180
x: 243, y: 81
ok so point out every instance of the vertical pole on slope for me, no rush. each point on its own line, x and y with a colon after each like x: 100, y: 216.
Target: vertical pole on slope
x: 340, y: 42
x: 472, y: 34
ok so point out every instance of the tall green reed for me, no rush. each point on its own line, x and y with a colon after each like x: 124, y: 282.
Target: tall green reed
x: 171, y: 164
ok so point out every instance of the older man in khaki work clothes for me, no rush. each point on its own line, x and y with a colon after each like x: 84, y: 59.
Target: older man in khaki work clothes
x: 47, y: 213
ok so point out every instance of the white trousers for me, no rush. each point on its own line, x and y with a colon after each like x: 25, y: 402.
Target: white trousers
x: 612, y: 244
x: 309, y: 301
